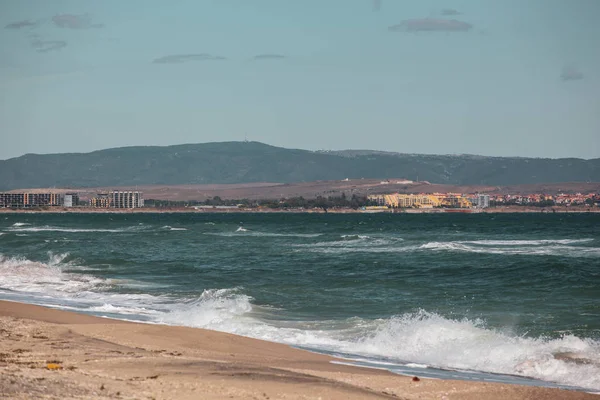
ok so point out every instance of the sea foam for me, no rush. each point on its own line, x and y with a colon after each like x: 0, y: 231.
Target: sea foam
x: 48, y: 228
x: 520, y: 247
x: 420, y: 339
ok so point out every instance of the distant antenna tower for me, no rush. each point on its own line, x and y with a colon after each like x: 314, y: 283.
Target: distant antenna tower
x: 246, y: 138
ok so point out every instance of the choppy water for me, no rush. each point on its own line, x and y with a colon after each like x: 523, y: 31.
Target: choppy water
x: 488, y: 297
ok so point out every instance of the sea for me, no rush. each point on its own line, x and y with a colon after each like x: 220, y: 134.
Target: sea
x: 509, y: 298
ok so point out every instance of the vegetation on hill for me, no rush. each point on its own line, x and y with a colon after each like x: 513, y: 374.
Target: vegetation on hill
x: 237, y: 162
x: 298, y: 202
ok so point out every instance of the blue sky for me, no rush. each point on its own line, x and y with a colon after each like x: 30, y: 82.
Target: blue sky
x: 511, y: 78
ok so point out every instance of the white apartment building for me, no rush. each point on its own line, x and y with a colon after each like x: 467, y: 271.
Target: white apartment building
x: 483, y: 200
x: 126, y: 199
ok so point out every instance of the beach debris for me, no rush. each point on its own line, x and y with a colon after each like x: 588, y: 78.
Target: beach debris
x: 20, y: 351
x: 415, y: 379
x: 53, y: 366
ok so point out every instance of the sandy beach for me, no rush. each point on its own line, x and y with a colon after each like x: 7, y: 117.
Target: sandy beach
x: 52, y: 354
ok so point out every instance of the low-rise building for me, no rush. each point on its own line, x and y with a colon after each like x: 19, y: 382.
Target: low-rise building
x: 102, y: 200
x: 398, y: 200
x: 27, y: 200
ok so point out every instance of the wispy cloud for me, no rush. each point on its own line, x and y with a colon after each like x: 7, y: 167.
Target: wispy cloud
x: 22, y: 24
x: 376, y: 5
x: 431, y: 25
x: 450, y: 11
x: 44, y: 46
x: 181, y: 58
x: 72, y: 21
x: 570, y: 73
x: 269, y: 57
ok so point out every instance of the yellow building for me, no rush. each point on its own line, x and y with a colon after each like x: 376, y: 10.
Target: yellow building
x: 455, y: 200
x: 100, y: 201
x: 398, y: 200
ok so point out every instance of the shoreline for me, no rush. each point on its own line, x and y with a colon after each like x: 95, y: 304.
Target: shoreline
x: 52, y: 353
x: 189, y: 210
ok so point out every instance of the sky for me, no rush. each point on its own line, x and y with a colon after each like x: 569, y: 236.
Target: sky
x: 497, y: 78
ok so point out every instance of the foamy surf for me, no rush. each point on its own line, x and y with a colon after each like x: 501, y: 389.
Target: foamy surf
x: 252, y: 233
x: 60, y: 282
x: 358, y: 301
x: 542, y: 242
x: 46, y: 228
x: 419, y: 340
x: 412, y: 340
x: 394, y: 244
x: 539, y: 248
x: 170, y: 228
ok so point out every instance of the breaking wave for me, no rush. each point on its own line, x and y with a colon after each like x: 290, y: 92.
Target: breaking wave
x: 518, y: 247
x: 22, y: 275
x: 394, y: 244
x: 358, y: 244
x: 525, y: 242
x: 170, y: 228
x: 47, y: 228
x: 421, y: 339
x: 250, y: 233
x: 60, y: 282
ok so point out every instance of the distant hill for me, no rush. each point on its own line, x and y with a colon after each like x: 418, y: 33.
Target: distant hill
x: 238, y: 162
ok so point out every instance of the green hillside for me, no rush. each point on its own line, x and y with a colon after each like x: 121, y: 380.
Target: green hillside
x: 236, y: 162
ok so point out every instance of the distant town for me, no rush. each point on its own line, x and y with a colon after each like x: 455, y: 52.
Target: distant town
x: 391, y: 202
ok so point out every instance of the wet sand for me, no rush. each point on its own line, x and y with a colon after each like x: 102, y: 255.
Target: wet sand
x: 53, y: 354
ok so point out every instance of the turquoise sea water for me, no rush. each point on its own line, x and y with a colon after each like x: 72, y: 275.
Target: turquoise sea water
x: 500, y: 297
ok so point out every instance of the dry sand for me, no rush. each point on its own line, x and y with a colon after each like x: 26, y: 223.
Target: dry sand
x: 53, y: 354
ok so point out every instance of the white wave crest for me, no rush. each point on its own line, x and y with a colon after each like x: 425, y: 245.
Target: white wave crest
x: 22, y: 275
x: 16, y: 224
x: 430, y: 339
x: 419, y: 339
x: 416, y: 339
x: 170, y: 228
x: 525, y: 242
x: 274, y: 234
x: 248, y: 232
x: 109, y: 308
x: 215, y: 309
x: 48, y: 228
x: 355, y: 237
x: 550, y: 248
x: 359, y: 244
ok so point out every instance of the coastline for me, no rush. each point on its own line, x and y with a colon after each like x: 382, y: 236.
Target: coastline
x: 52, y: 353
x: 191, y: 210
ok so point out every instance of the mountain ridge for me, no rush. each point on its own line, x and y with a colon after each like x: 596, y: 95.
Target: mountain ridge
x: 239, y: 162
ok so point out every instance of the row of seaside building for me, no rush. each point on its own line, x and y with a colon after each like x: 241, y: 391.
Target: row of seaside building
x: 450, y: 200
x: 113, y: 199
x: 457, y: 200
